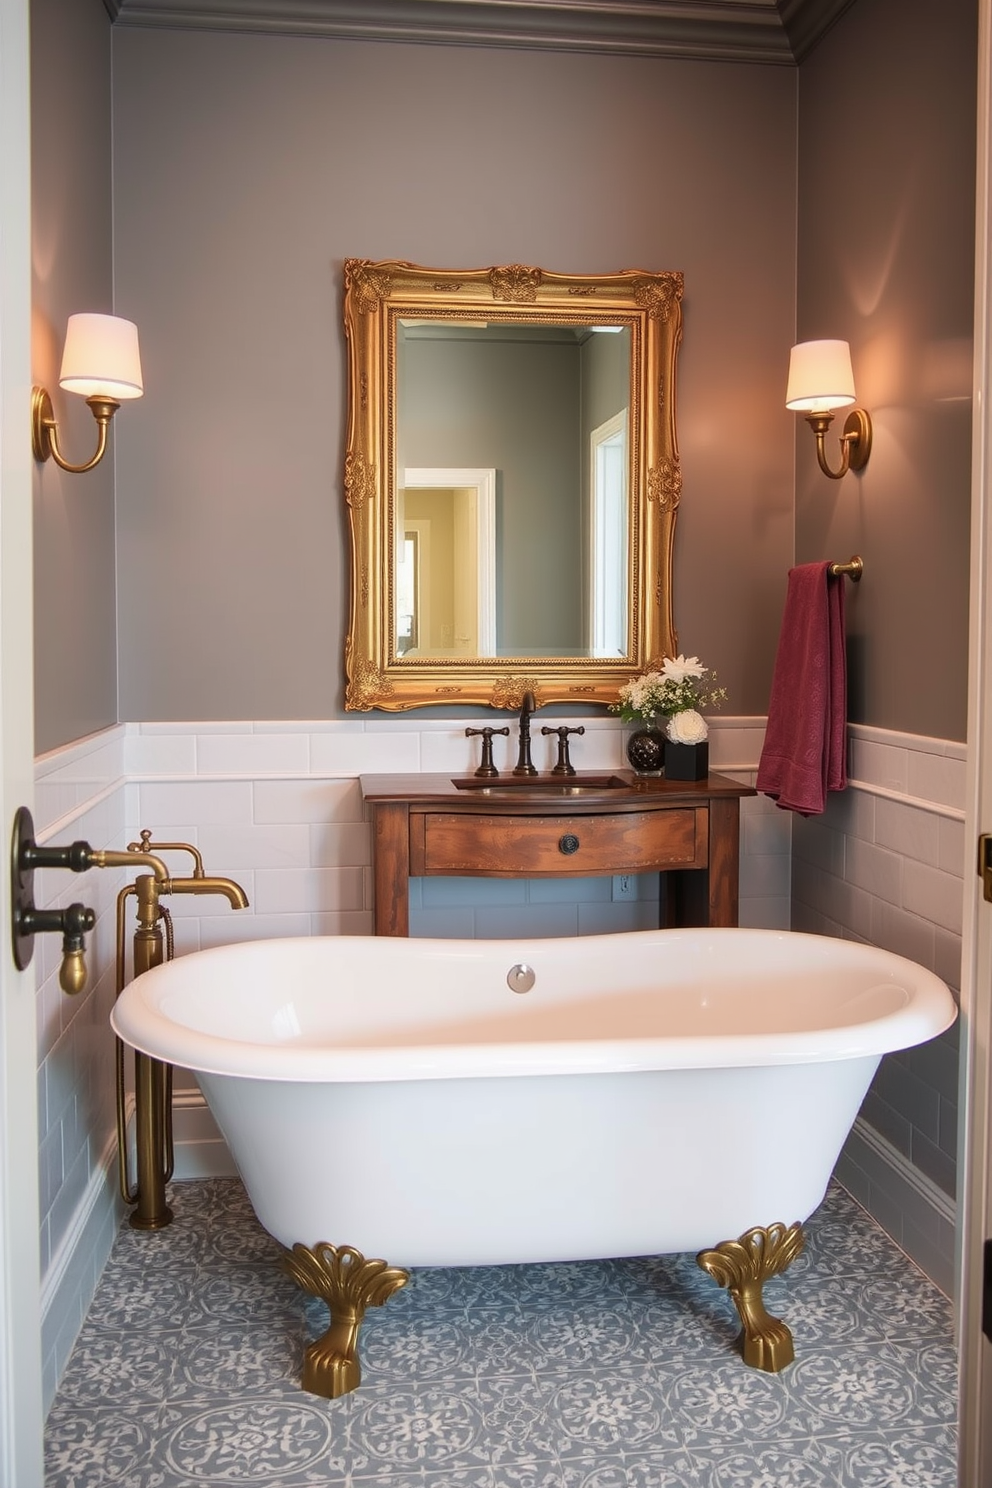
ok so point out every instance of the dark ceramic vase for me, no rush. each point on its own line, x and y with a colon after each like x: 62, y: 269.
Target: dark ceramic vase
x: 687, y: 761
x: 646, y: 751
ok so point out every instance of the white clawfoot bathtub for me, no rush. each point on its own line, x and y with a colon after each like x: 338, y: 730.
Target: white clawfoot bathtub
x: 653, y: 1092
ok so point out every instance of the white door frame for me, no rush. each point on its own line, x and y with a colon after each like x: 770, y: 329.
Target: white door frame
x: 599, y: 577
x: 20, y: 1288
x: 975, y: 1146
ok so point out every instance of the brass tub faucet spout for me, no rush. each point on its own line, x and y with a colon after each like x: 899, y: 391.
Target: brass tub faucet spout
x: 233, y: 893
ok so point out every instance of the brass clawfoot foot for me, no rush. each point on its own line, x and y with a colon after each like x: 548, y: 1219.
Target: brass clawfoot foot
x: 742, y: 1266
x: 348, y: 1283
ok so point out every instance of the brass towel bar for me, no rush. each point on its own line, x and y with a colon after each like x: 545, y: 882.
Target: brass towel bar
x: 852, y: 569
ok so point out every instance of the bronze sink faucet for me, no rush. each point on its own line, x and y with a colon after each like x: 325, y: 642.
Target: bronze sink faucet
x: 525, y: 765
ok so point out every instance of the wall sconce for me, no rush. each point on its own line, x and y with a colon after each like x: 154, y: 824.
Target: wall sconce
x: 100, y: 362
x: 821, y: 379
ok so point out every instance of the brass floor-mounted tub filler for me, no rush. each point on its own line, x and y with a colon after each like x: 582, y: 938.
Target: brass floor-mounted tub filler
x: 152, y: 945
x: 476, y: 1103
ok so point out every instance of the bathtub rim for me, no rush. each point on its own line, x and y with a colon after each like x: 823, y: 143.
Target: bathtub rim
x: 137, y: 1020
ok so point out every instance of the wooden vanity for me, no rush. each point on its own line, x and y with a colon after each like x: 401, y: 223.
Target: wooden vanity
x: 578, y: 826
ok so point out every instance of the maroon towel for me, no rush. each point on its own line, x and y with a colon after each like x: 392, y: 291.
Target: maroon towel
x: 804, y: 753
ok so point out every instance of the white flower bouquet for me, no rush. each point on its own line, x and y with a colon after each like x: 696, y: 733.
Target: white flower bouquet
x: 678, y: 692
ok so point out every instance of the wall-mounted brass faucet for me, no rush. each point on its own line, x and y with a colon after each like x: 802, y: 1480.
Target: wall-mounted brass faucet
x: 72, y: 923
x: 152, y: 1079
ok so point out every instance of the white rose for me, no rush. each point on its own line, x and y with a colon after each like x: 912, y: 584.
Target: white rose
x: 687, y: 727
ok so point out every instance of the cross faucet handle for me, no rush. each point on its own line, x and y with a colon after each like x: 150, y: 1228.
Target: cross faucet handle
x: 564, y: 765
x: 487, y: 769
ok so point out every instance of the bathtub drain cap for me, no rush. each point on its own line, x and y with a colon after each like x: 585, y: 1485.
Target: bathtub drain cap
x: 520, y: 978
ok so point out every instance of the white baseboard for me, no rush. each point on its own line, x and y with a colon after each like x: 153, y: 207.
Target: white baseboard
x: 200, y: 1150
x: 71, y: 1277
x: 909, y: 1206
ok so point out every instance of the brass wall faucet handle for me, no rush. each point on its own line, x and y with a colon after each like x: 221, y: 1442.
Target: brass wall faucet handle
x: 487, y: 769
x: 146, y: 845
x: 564, y: 765
x: 72, y: 923
x: 27, y: 921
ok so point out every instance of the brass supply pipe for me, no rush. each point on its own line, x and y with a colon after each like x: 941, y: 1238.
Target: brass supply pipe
x: 153, y: 1078
x: 128, y: 1194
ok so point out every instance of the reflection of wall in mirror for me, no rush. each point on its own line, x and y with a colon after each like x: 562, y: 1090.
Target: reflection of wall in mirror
x: 512, y: 407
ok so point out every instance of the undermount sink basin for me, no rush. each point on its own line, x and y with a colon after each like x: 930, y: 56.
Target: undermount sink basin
x: 542, y: 785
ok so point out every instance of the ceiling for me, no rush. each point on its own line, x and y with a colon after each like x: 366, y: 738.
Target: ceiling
x: 781, y: 32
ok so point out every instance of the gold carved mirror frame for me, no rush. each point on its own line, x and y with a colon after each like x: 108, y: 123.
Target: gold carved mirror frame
x: 377, y: 295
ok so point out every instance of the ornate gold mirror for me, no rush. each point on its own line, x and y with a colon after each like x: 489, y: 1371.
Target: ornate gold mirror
x: 512, y: 480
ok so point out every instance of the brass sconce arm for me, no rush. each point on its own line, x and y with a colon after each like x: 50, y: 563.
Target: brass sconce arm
x: 855, y: 441
x: 45, y: 431
x: 100, y: 362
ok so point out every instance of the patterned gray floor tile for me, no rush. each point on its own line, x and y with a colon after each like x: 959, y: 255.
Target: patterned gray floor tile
x: 101, y: 1445
x: 528, y: 1474
x: 432, y: 1426
x: 664, y: 1469
x: 613, y: 1374
x: 805, y: 1463
x: 249, y: 1440
x: 589, y: 1416
x: 402, y: 1348
x: 217, y: 1361
x: 915, y: 1459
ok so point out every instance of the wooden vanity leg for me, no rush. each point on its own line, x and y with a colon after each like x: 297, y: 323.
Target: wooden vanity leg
x: 391, y: 870
x: 724, y: 861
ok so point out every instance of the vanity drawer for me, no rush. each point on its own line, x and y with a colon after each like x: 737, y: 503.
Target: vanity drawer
x: 510, y: 846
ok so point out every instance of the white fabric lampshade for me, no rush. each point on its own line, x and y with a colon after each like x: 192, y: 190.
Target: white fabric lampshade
x: 100, y: 358
x: 820, y: 377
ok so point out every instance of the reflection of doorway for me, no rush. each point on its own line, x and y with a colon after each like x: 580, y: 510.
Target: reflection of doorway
x: 608, y: 537
x: 456, y: 588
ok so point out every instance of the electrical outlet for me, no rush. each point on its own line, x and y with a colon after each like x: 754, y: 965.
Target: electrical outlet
x: 624, y: 886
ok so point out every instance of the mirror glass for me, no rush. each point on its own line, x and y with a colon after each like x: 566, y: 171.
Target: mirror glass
x: 512, y: 480
x: 511, y: 445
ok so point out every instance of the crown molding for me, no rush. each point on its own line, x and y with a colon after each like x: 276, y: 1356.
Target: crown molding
x: 732, y: 30
x: 806, y: 22
x: 780, y: 32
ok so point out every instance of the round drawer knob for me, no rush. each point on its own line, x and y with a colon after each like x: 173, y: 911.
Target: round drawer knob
x: 568, y: 844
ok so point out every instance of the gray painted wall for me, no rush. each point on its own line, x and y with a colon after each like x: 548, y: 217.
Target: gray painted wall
x: 893, y: 273
x: 75, y: 608
x: 229, y: 238
x: 248, y: 167
x: 886, y: 260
